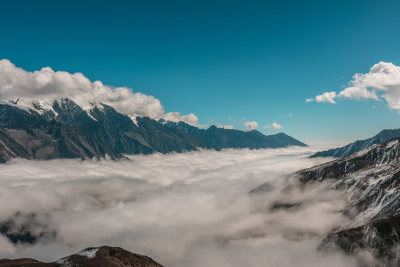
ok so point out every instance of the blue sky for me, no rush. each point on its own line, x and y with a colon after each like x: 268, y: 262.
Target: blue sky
x: 222, y: 60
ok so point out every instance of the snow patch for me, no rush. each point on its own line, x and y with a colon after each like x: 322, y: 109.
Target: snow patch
x: 90, y: 253
x: 134, y: 120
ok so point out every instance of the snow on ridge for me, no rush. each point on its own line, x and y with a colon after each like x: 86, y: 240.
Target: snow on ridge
x: 134, y: 120
x: 90, y: 115
x: 90, y: 253
x: 97, y: 105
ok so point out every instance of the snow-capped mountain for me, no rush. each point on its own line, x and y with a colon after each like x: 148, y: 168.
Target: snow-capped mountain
x: 371, y: 180
x: 359, y: 145
x: 63, y: 129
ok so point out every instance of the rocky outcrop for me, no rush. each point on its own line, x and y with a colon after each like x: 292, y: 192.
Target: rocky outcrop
x: 371, y: 180
x: 90, y: 257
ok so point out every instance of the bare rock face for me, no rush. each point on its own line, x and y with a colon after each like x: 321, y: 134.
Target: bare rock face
x: 91, y: 257
x: 371, y: 180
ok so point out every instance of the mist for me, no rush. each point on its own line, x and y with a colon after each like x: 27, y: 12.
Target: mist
x: 187, y: 209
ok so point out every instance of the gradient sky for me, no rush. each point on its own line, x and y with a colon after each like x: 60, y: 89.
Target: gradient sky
x: 222, y: 60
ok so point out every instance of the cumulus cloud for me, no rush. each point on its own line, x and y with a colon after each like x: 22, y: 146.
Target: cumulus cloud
x: 382, y: 82
x: 326, y: 97
x: 46, y: 84
x: 251, y: 125
x: 197, y: 201
x: 274, y: 125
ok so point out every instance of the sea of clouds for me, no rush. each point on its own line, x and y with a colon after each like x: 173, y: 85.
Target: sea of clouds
x: 190, y: 209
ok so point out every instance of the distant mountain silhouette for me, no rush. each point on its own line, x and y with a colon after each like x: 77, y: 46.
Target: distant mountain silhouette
x: 359, y: 145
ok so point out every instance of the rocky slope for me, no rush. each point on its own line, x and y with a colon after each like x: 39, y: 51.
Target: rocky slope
x: 371, y: 180
x: 29, y: 134
x: 100, y: 257
x: 359, y: 145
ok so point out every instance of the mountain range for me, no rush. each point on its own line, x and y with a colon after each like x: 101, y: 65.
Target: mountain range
x: 63, y: 129
x: 359, y: 145
x: 220, y: 138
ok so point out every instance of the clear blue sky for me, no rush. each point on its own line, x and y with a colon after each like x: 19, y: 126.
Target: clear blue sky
x: 222, y: 60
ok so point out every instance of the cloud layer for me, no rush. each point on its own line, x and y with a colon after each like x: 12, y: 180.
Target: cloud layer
x: 382, y: 82
x: 196, y: 201
x: 47, y: 84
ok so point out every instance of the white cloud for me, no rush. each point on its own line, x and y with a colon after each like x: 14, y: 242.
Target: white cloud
x: 197, y: 201
x: 382, y: 82
x: 309, y: 100
x: 47, y: 84
x: 251, y: 125
x: 274, y: 125
x: 326, y: 97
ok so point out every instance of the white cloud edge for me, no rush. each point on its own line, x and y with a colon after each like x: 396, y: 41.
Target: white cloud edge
x: 47, y: 84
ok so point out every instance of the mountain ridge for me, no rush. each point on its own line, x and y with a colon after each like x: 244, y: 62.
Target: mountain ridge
x: 370, y: 181
x: 381, y: 137
x: 222, y: 138
x: 103, y: 256
x: 62, y: 129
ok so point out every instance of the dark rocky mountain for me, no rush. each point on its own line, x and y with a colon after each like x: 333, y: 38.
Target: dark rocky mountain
x: 28, y: 134
x: 120, y: 133
x: 229, y: 138
x: 62, y: 129
x: 100, y: 257
x: 371, y: 180
x: 359, y: 145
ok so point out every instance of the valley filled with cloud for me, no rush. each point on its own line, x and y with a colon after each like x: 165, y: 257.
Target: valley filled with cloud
x: 187, y: 209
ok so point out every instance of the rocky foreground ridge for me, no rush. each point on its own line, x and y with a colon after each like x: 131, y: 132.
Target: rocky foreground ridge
x: 90, y: 257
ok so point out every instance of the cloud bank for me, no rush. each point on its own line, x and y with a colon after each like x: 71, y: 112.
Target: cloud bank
x: 196, y: 201
x: 381, y: 83
x: 46, y: 84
